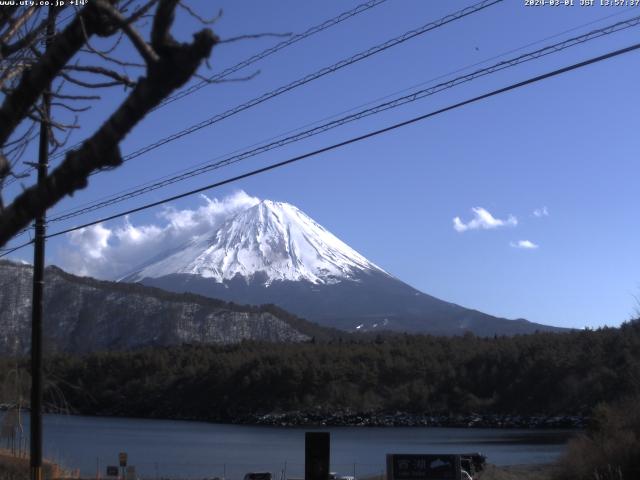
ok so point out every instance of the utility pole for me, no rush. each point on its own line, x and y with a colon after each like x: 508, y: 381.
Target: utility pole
x: 38, y: 282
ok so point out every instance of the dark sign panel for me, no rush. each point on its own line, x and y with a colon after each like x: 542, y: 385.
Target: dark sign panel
x: 423, y: 467
x: 112, y: 471
x: 316, y: 456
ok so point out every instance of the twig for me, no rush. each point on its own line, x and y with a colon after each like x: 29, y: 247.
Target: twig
x: 7, y: 50
x: 123, y: 79
x: 63, y: 47
x: 177, y: 63
x: 52, y: 123
x: 198, y: 17
x: 6, y: 14
x: 82, y: 83
x: 62, y: 96
x: 70, y: 108
x: 140, y: 13
x: 15, y: 26
x: 144, y: 49
x: 254, y: 36
x: 228, y: 80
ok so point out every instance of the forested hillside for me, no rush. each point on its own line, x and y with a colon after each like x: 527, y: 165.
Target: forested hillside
x: 131, y: 316
x: 544, y: 373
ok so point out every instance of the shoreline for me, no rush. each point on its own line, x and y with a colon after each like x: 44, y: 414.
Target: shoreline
x: 348, y: 418
x: 403, y: 419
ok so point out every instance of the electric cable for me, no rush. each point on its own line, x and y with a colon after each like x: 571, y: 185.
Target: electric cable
x: 271, y: 50
x: 397, y: 102
x: 359, y: 138
x: 243, y: 64
x: 307, y: 78
x: 298, y: 129
x: 315, y: 75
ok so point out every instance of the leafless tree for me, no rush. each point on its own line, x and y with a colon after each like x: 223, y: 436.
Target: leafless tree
x: 72, y: 61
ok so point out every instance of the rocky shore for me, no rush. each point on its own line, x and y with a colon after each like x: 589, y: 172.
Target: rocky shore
x: 403, y: 419
x: 379, y: 419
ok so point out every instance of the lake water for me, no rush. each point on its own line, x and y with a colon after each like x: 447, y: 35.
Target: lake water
x: 183, y: 449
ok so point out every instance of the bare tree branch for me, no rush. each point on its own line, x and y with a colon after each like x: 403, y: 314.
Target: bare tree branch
x: 66, y: 44
x: 145, y: 50
x: 82, y: 83
x: 106, y: 56
x: 177, y: 63
x: 70, y: 108
x: 40, y: 118
x: 6, y: 13
x: 254, y: 36
x: 4, y: 166
x: 17, y: 23
x: 7, y: 50
x: 228, y: 80
x: 160, y: 36
x: 140, y: 12
x: 111, y: 49
x: 57, y: 144
x: 14, y: 70
x: 123, y: 79
x: 198, y: 17
x: 22, y: 137
x: 62, y: 96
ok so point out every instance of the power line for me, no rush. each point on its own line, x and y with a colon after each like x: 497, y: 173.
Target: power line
x: 458, y: 70
x: 397, y: 102
x: 244, y: 63
x: 259, y: 56
x: 316, y: 75
x: 9, y: 251
x: 308, y: 78
x: 269, y: 51
x: 352, y: 140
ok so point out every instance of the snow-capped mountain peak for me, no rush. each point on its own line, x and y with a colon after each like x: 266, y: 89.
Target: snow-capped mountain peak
x: 272, y: 238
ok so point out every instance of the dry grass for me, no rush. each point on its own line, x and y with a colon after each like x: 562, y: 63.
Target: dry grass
x: 514, y: 472
x: 15, y: 468
x: 517, y: 472
x: 610, y: 448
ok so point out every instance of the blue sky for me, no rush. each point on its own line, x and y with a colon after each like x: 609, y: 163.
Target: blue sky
x: 568, y: 145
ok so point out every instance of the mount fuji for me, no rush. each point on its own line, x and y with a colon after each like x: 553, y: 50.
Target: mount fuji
x: 274, y: 253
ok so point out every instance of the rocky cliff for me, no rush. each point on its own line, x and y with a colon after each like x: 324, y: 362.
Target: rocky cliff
x: 83, y: 314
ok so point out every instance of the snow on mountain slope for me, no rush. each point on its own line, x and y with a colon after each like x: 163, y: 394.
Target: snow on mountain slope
x: 272, y: 252
x: 273, y: 238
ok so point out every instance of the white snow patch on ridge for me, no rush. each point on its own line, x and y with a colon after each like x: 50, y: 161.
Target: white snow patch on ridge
x: 273, y: 238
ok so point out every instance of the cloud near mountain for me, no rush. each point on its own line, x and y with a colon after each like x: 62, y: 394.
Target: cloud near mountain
x: 106, y: 252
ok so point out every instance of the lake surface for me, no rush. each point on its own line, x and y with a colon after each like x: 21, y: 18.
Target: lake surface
x: 183, y: 449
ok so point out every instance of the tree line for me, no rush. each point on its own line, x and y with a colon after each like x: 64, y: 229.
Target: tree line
x: 543, y: 373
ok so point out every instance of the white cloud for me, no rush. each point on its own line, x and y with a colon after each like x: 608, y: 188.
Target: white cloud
x: 92, y: 241
x: 109, y: 252
x: 524, y: 244
x: 541, y: 212
x: 482, y: 219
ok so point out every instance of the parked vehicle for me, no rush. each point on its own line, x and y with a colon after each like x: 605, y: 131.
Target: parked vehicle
x: 335, y: 476
x: 258, y: 476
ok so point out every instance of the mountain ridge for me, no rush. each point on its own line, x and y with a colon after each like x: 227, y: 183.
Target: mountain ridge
x: 131, y: 315
x: 275, y: 238
x: 273, y: 252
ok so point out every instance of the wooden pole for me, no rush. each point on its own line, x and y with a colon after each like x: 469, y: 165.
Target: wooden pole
x: 38, y: 284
